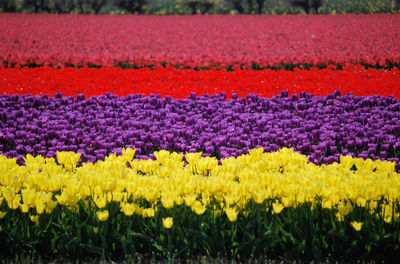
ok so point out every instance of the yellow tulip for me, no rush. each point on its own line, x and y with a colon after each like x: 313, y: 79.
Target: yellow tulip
x: 167, y: 202
x: 61, y: 157
x: 68, y: 159
x: 167, y: 222
x: 74, y: 157
x: 189, y: 199
x: 28, y: 196
x: 50, y: 206
x: 102, y: 215
x: 128, y: 154
x: 361, y: 201
x: 327, y: 204
x: 356, y: 225
x: 345, y: 209
x: 16, y: 202
x: 231, y: 213
x: 347, y: 162
x: 192, y: 158
x: 2, y: 214
x: 148, y: 212
x: 387, y: 213
x: 277, y: 207
x: 34, y: 218
x: 108, y: 184
x: 179, y: 200
x: 256, y: 154
x: 198, y: 208
x: 117, y: 196
x: 40, y: 207
x: 97, y: 190
x: 151, y: 195
x: 162, y: 155
x: 24, y: 208
x: 339, y: 217
x: 128, y: 209
x: 259, y: 196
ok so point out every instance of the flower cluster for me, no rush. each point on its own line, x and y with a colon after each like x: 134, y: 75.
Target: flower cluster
x: 321, y: 127
x: 180, y: 83
x: 276, y: 180
x: 198, y: 40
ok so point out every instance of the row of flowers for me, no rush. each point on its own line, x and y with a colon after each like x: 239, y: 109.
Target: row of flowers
x: 198, y: 40
x: 181, y: 83
x: 43, y: 183
x: 185, y: 205
x: 321, y: 127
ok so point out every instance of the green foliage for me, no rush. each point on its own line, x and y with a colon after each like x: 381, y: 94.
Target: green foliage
x: 303, y: 233
x: 254, y: 66
x: 199, y: 6
x: 162, y: 7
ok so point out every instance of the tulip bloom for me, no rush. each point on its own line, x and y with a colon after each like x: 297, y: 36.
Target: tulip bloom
x: 168, y: 222
x: 102, y: 215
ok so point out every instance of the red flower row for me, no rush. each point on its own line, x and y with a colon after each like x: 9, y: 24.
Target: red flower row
x: 181, y: 83
x: 60, y: 40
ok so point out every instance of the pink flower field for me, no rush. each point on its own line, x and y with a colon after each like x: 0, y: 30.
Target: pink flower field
x: 199, y: 40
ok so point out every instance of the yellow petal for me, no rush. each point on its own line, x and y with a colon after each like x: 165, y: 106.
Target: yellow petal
x: 167, y: 222
x: 356, y: 225
x: 231, y: 213
x: 277, y: 207
x: 2, y: 214
x: 102, y: 215
x: 34, y: 218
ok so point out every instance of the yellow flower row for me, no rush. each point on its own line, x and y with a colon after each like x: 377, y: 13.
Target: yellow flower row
x: 140, y: 186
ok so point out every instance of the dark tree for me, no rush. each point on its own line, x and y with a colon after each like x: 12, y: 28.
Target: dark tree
x: 97, y: 5
x: 82, y: 6
x: 132, y: 6
x: 260, y: 6
x: 237, y: 4
x: 202, y: 6
x: 37, y: 5
x: 192, y: 5
x: 8, y: 6
x: 397, y: 5
x: 251, y: 5
x: 303, y: 4
x: 307, y: 4
x: 206, y: 6
x: 63, y: 6
x: 316, y: 4
x: 85, y: 6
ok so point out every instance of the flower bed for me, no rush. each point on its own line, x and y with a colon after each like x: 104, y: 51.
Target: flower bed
x: 180, y: 83
x: 321, y: 127
x: 255, y: 205
x: 194, y: 41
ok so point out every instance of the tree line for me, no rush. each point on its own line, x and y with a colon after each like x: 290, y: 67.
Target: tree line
x: 257, y: 6
x: 139, y: 6
x: 68, y: 6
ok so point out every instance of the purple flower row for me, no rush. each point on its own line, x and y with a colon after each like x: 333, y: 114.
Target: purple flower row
x: 321, y: 127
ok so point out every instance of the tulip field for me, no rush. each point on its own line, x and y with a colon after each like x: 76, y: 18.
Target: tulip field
x: 172, y: 138
x: 199, y: 41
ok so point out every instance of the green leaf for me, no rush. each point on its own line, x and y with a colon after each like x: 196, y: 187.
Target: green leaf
x: 92, y: 249
x: 199, y: 235
x: 148, y: 239
x: 298, y: 250
x: 73, y: 240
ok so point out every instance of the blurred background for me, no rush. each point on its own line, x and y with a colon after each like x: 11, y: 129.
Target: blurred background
x: 168, y: 7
